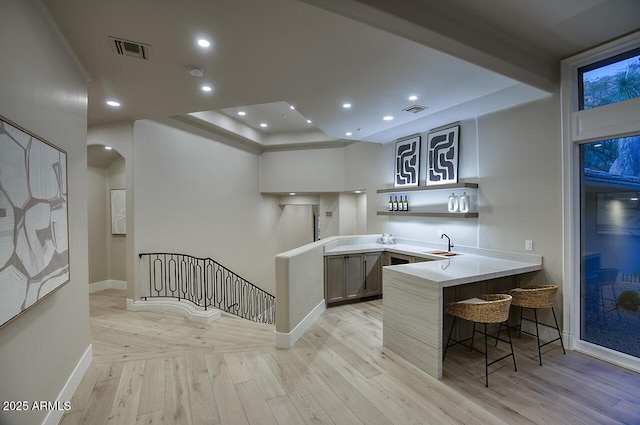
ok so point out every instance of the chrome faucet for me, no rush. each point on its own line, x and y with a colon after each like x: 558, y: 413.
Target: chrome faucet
x: 450, y: 245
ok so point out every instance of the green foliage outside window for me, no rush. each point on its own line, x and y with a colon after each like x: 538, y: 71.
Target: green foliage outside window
x: 621, y: 83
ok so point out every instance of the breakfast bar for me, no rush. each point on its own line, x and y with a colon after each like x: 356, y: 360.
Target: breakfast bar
x: 414, y: 298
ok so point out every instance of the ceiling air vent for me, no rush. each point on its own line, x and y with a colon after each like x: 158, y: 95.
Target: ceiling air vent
x: 414, y: 109
x: 129, y: 48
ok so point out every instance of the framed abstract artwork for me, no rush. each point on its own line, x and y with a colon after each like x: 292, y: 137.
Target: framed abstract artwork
x: 34, y: 238
x: 442, y: 156
x: 407, y: 166
x: 118, y: 212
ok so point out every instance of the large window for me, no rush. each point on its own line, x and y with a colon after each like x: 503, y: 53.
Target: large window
x: 610, y: 234
x: 611, y: 80
x: 601, y: 201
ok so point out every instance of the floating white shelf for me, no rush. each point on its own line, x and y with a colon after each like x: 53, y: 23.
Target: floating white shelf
x: 461, y: 185
x: 429, y: 214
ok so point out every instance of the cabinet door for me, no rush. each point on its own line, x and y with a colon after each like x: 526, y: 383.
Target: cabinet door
x: 353, y: 276
x: 334, y: 278
x: 372, y: 274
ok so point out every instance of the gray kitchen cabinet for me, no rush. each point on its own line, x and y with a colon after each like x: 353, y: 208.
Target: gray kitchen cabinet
x: 334, y: 278
x: 372, y: 274
x: 353, y: 276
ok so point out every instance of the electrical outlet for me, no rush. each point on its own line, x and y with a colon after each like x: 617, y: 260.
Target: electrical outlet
x: 528, y: 245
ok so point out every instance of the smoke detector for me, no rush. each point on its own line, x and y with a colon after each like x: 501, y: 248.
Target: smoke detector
x: 196, y: 71
x: 129, y: 48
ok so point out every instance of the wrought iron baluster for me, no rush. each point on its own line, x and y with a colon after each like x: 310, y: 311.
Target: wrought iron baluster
x: 204, y: 282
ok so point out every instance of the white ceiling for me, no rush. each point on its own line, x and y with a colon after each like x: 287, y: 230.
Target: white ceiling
x: 317, y: 54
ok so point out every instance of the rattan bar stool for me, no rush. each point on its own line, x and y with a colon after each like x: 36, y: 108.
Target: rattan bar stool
x: 537, y: 297
x: 486, y: 309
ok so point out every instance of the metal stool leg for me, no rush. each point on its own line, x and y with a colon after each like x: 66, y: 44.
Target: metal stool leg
x: 558, y: 329
x: 473, y: 334
x: 513, y: 356
x: 520, y: 324
x: 535, y: 316
x: 486, y: 357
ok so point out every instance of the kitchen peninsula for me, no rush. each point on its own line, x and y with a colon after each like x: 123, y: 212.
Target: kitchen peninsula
x: 414, y: 299
x: 414, y: 293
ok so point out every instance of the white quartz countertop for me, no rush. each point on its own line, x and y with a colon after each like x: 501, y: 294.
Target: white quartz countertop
x: 400, y: 248
x: 465, y: 267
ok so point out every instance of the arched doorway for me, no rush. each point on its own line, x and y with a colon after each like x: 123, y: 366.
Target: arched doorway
x: 106, y: 182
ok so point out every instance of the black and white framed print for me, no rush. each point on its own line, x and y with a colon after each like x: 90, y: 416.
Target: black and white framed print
x: 407, y: 168
x: 442, y: 156
x: 34, y: 238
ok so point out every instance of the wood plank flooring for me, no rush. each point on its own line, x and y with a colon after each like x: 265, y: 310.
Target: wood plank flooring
x: 159, y: 368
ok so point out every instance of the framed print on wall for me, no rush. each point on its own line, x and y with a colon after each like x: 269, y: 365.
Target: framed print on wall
x: 34, y: 237
x: 407, y: 166
x: 118, y: 212
x: 442, y: 156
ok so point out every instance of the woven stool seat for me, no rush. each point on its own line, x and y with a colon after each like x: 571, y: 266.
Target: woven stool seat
x: 485, y: 309
x: 492, y: 308
x: 536, y: 297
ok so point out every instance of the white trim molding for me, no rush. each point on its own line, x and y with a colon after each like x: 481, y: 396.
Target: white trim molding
x: 69, y: 388
x: 186, y: 308
x: 287, y: 340
x: 107, y: 284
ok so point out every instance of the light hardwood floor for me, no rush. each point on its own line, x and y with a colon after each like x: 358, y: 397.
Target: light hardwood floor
x: 159, y: 368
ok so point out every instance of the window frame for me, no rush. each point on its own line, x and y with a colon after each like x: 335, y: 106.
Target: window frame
x: 578, y: 127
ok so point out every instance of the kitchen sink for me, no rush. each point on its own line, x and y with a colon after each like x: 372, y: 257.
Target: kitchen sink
x: 443, y: 253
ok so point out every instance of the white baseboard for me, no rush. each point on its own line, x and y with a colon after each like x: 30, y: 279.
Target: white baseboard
x: 287, y: 340
x: 186, y: 308
x: 54, y: 416
x: 107, y: 284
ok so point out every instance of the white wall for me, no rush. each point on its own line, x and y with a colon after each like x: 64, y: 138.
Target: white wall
x: 43, y: 91
x: 117, y: 244
x: 120, y: 137
x: 98, y: 216
x: 311, y: 170
x: 197, y: 196
x: 107, y: 252
x: 520, y: 181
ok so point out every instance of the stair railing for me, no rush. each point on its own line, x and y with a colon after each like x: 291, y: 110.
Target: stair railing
x: 206, y: 283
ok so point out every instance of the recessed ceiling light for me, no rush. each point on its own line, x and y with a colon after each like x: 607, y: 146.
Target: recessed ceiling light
x: 204, y: 43
x: 348, y: 133
x: 292, y: 193
x: 308, y: 121
x: 387, y: 118
x: 358, y: 191
x: 113, y: 103
x: 206, y: 88
x: 263, y: 125
x: 108, y: 148
x: 346, y: 105
x: 242, y: 113
x: 292, y: 107
x: 413, y: 97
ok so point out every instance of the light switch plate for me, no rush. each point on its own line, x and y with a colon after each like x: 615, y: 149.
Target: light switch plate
x: 528, y: 245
